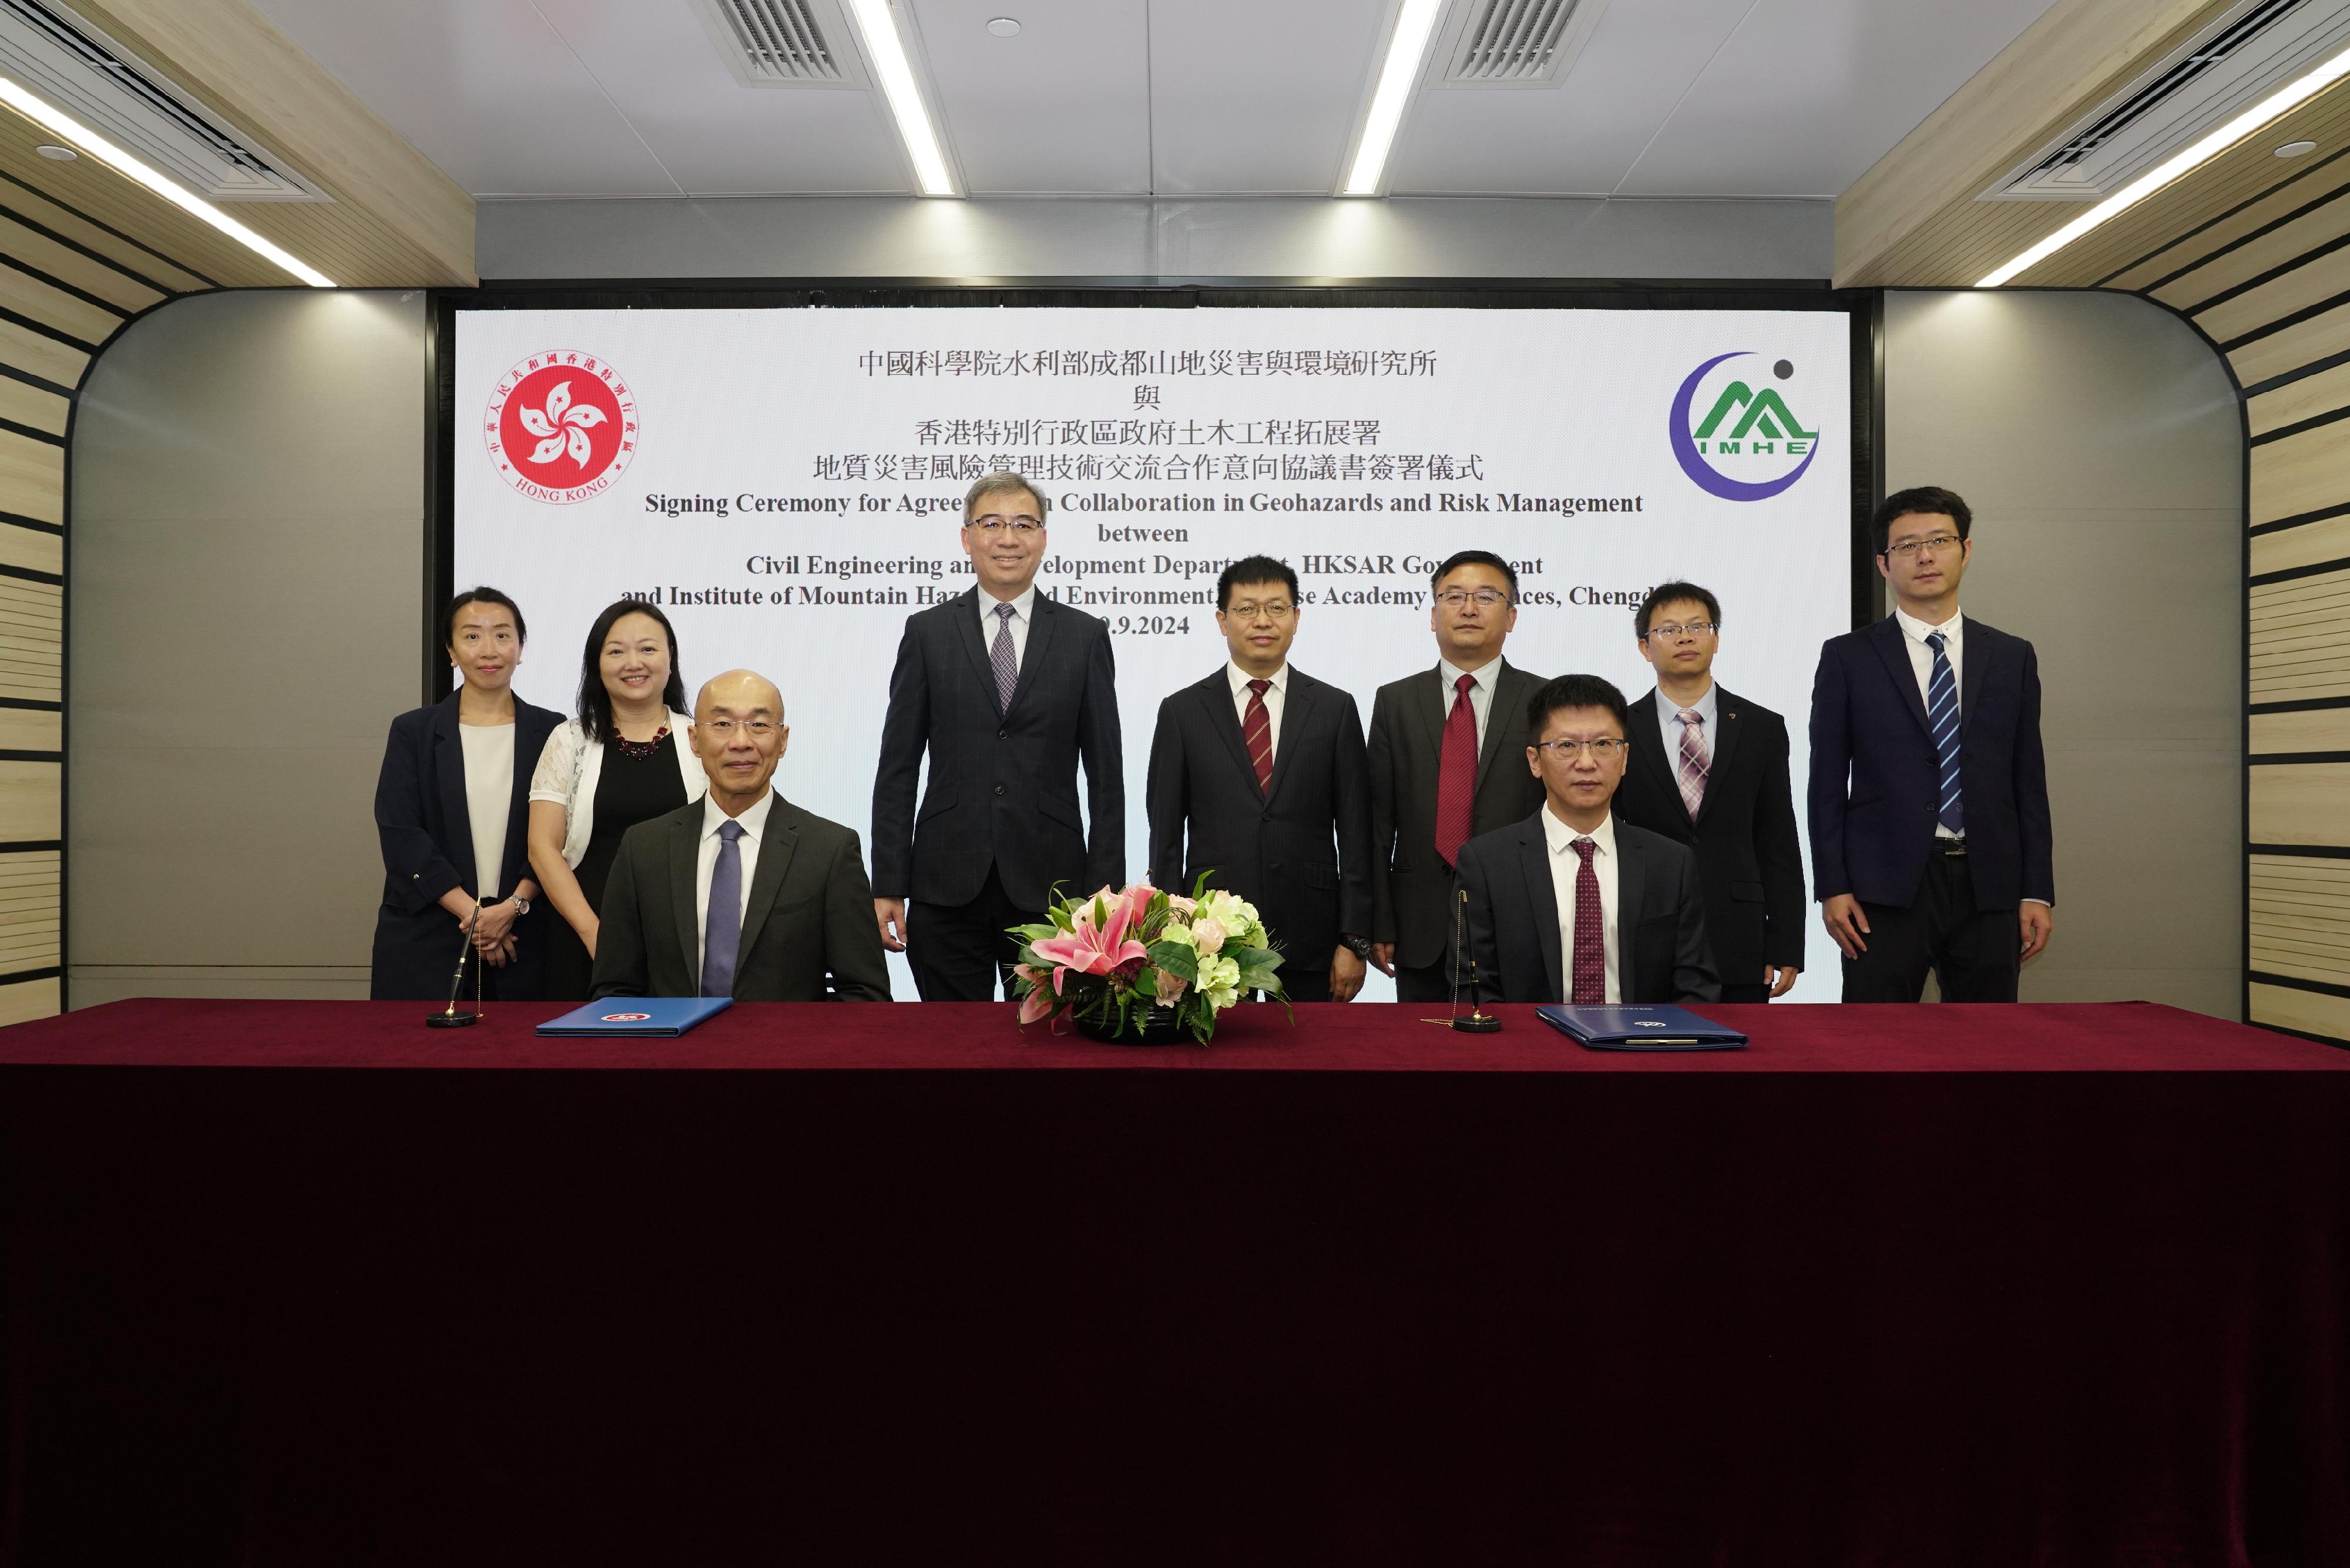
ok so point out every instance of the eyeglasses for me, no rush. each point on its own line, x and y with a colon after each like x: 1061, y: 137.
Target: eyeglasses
x: 1278, y: 609
x: 1018, y: 527
x: 1908, y: 547
x: 1454, y: 598
x: 757, y: 729
x: 1602, y: 751
x: 1697, y: 627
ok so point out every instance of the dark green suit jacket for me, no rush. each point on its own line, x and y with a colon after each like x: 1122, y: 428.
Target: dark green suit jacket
x: 807, y: 934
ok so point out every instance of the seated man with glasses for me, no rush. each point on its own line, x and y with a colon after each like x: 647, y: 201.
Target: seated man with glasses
x: 1256, y: 774
x: 1930, y: 840
x: 1571, y: 904
x: 741, y: 893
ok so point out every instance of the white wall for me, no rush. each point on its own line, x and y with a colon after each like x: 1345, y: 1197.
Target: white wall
x: 2097, y: 439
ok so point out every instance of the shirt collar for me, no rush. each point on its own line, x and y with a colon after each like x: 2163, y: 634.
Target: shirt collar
x: 1023, y: 608
x: 1239, y: 678
x: 1916, y: 630
x: 753, y: 821
x: 1705, y: 705
x: 1480, y: 679
x: 1560, y: 836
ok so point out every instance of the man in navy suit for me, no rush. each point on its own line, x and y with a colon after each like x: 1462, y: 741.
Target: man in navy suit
x: 1930, y: 841
x: 1007, y: 691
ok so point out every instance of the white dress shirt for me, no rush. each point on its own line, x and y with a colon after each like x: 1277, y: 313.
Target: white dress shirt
x: 1566, y: 866
x: 489, y: 798
x: 754, y: 827
x: 1668, y: 722
x: 1274, y: 697
x: 1024, y: 612
x: 1914, y: 633
x: 1480, y: 693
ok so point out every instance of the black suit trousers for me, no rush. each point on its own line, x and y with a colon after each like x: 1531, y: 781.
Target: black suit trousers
x: 1974, y: 955
x: 960, y: 953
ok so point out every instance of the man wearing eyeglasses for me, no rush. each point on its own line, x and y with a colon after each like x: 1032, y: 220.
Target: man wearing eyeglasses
x: 1442, y: 751
x: 1256, y: 774
x: 1006, y: 691
x: 1709, y: 769
x: 1931, y: 839
x: 774, y: 898
x: 1572, y: 904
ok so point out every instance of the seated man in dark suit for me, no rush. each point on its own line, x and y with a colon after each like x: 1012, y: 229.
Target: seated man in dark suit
x: 1571, y: 904
x: 741, y: 893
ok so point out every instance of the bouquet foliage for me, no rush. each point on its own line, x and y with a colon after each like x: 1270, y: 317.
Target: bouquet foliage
x: 1110, y: 959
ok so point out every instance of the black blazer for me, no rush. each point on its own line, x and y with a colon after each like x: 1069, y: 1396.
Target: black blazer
x: 1300, y: 851
x: 1411, y: 889
x: 427, y: 835
x: 807, y: 927
x: 1748, y: 860
x: 1661, y: 952
x: 1870, y: 837
x: 1003, y: 787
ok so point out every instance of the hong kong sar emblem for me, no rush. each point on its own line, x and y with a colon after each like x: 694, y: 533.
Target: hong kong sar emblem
x: 561, y: 427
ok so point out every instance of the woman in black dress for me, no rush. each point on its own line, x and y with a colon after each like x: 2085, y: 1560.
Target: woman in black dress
x: 625, y: 760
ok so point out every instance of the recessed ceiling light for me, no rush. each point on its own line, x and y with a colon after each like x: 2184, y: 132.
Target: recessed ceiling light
x: 56, y: 154
x: 886, y: 50
x: 2295, y: 149
x: 1406, y: 46
x: 1005, y: 26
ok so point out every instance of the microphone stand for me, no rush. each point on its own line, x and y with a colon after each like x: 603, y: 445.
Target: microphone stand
x: 450, y: 1018
x: 1479, y: 1020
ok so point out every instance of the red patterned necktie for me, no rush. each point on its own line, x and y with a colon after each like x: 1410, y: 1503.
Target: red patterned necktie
x: 1456, y: 774
x: 1256, y: 728
x: 1590, y: 986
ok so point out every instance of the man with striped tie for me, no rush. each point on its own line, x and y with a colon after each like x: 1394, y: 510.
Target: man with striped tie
x: 1931, y: 839
x: 1256, y: 774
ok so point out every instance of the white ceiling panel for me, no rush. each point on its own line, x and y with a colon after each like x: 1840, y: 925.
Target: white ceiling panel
x: 1251, y: 98
x: 1063, y: 107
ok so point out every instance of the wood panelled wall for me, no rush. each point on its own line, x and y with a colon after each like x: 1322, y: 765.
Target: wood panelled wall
x: 2268, y: 278
x: 68, y: 282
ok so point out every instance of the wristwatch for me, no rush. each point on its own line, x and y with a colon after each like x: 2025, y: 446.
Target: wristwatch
x: 521, y: 904
x: 1360, y: 946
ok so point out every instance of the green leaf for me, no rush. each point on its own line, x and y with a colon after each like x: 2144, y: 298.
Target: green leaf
x: 1199, y: 883
x: 1038, y: 932
x: 1257, y: 958
x: 1062, y: 921
x: 1258, y: 978
x: 1176, y: 960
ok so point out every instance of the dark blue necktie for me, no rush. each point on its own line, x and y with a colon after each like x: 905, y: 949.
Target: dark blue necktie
x: 722, y: 929
x: 1942, y: 714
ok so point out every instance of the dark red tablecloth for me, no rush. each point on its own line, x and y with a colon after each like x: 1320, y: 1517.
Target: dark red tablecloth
x: 1913, y: 1286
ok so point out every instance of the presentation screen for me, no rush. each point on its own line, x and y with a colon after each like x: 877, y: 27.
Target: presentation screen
x: 788, y: 485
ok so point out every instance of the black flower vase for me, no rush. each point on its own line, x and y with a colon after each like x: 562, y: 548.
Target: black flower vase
x: 1150, y: 1026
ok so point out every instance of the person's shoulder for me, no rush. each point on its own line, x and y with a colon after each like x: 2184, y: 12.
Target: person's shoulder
x: 1341, y: 698
x: 1646, y: 841
x: 941, y: 613
x: 815, y: 831
x: 1982, y: 634
x: 1505, y: 839
x: 1191, y: 693
x: 1513, y: 676
x: 1047, y: 607
x: 1859, y: 636
x: 646, y: 837
x: 418, y: 722
x: 1745, y: 709
x: 1397, y: 690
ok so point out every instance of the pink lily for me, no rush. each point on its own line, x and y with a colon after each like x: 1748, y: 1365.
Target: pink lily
x: 1086, y: 951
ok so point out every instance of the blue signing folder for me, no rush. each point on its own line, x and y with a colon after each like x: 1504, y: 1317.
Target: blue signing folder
x: 1640, y: 1029
x: 659, y: 1017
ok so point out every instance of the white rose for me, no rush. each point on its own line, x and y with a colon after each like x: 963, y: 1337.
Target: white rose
x: 1208, y: 934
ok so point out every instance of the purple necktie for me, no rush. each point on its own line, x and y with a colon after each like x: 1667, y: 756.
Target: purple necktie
x: 722, y: 928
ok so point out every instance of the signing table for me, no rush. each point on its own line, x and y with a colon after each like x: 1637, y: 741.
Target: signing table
x: 306, y: 1283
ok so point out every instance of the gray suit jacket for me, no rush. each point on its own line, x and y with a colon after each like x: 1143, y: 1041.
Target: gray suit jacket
x: 1411, y: 889
x: 807, y: 931
x: 1661, y: 952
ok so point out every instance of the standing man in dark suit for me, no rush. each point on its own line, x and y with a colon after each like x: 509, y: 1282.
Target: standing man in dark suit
x: 1007, y: 690
x: 1710, y: 770
x: 1572, y: 904
x: 740, y: 893
x: 1260, y: 767
x: 1443, y: 753
x: 1930, y: 841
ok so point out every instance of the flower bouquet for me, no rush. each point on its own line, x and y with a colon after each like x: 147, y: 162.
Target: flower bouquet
x: 1135, y: 962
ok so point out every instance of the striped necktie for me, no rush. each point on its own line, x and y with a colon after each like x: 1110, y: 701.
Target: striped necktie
x: 1942, y: 715
x: 1256, y: 729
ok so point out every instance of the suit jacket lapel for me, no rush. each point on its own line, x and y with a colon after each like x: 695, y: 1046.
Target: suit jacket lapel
x: 1428, y: 701
x: 1971, y: 680
x: 776, y: 847
x: 1215, y: 694
x: 1494, y: 710
x: 449, y: 771
x: 1541, y: 900
x: 1893, y: 648
x: 685, y: 876
x: 1044, y: 614
x: 1632, y: 875
x: 966, y: 618
x: 1650, y: 752
x: 1295, y: 704
x: 1727, y: 725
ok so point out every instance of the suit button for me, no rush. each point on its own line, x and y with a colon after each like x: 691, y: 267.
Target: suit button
x: 1003, y: 734
x: 998, y: 789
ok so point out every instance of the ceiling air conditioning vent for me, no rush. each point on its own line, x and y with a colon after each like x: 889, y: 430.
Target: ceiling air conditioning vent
x: 1516, y: 42
x: 2248, y: 52
x: 63, y: 58
x: 783, y: 43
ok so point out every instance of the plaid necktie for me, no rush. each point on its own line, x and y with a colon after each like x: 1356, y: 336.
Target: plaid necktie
x: 1005, y: 659
x: 1693, y: 763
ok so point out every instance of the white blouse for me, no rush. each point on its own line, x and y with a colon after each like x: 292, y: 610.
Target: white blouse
x: 571, y: 766
x: 489, y: 798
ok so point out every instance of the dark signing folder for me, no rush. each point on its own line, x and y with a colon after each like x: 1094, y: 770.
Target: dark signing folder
x: 656, y: 1017
x: 1640, y: 1029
